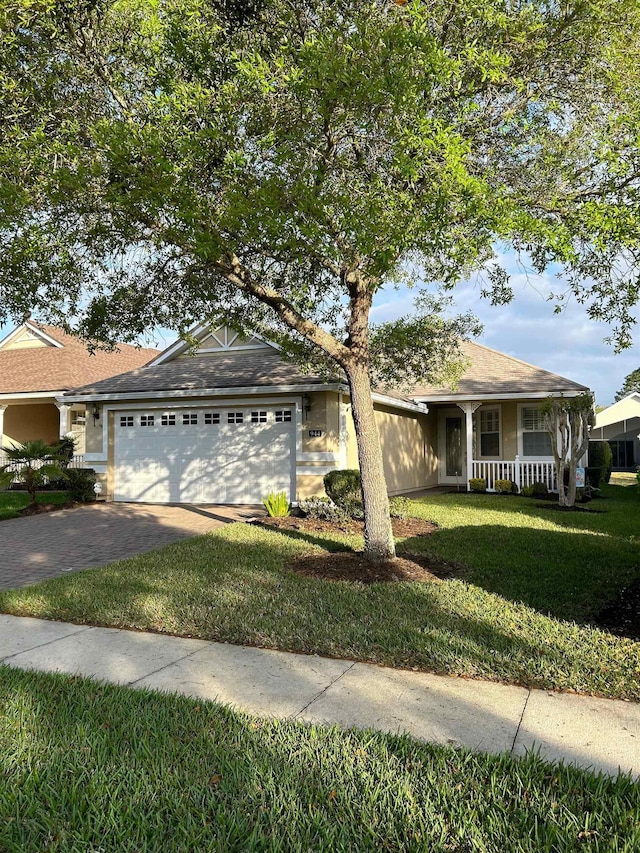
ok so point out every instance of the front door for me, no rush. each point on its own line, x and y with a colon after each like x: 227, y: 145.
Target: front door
x: 452, y: 465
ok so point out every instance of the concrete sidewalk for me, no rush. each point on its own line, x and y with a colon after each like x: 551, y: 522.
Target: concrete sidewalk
x: 598, y: 734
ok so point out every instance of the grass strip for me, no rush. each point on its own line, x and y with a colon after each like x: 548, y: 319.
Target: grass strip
x: 85, y: 766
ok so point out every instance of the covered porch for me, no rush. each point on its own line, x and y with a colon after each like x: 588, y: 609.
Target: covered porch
x: 27, y: 417
x: 494, y: 440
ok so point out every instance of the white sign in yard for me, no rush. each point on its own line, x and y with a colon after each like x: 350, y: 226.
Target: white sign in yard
x: 579, y: 478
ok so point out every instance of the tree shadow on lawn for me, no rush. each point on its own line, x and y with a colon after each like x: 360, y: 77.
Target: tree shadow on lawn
x: 231, y: 593
x: 567, y: 574
x: 195, y: 773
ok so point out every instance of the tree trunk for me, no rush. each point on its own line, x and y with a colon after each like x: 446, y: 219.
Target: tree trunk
x: 378, y: 536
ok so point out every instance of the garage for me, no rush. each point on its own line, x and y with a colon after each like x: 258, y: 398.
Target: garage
x: 226, y: 455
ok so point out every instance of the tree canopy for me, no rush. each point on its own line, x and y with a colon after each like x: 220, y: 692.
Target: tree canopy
x: 277, y: 164
x: 631, y: 383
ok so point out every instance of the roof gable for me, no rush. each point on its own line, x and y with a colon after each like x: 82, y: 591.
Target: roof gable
x: 52, y: 361
x: 28, y: 336
x: 212, y: 342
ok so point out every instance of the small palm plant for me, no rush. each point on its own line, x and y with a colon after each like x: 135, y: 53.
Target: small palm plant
x: 33, y: 462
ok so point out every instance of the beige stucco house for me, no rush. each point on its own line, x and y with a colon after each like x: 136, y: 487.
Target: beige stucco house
x: 619, y: 424
x: 38, y: 364
x: 235, y: 421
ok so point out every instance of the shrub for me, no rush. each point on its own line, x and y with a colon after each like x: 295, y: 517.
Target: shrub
x: 345, y: 490
x: 478, y: 484
x: 600, y: 456
x: 277, y: 504
x: 505, y: 487
x: 593, y: 475
x: 527, y: 491
x: 322, y: 509
x: 638, y: 477
x: 80, y: 483
x: 539, y: 490
x: 399, y: 508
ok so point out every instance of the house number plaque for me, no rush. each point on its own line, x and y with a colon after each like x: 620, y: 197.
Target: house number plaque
x: 315, y: 433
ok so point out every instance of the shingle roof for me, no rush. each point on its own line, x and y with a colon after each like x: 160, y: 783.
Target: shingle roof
x: 495, y: 373
x: 242, y: 370
x: 490, y: 372
x: 51, y: 368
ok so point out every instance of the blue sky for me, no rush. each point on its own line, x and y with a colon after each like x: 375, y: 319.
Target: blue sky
x: 569, y: 343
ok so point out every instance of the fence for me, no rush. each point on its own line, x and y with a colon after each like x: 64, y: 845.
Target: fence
x: 521, y: 473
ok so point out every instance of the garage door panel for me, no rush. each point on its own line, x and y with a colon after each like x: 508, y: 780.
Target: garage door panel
x: 202, y: 463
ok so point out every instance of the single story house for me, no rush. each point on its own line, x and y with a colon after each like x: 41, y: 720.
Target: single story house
x: 38, y: 364
x: 619, y: 424
x: 235, y: 420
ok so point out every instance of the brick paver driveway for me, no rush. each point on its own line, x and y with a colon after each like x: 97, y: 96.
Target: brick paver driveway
x: 51, y: 544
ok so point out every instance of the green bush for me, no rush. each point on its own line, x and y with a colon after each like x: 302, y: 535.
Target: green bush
x: 505, y: 487
x: 277, y: 504
x: 478, y: 484
x: 345, y: 490
x: 539, y: 490
x: 399, y: 508
x: 527, y: 491
x: 80, y: 483
x: 600, y: 456
x: 593, y: 475
x: 322, y: 509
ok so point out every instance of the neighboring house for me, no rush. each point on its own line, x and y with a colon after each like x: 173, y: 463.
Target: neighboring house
x: 38, y: 364
x: 235, y: 421
x: 619, y: 424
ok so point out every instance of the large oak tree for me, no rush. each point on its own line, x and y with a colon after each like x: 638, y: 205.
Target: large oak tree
x: 278, y: 163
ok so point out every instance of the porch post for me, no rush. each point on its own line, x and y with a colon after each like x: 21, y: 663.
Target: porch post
x: 2, y: 411
x: 64, y: 409
x: 469, y: 408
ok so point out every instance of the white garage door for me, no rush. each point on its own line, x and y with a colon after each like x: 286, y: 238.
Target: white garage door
x: 204, y: 455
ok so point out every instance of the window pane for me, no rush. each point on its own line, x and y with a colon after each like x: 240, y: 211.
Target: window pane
x: 490, y: 444
x: 536, y: 444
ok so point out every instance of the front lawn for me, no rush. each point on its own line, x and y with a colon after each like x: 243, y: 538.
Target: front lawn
x: 524, y: 563
x: 12, y: 502
x: 85, y: 766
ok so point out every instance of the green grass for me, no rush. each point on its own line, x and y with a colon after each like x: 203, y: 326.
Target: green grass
x: 531, y: 571
x: 12, y: 502
x: 91, y: 767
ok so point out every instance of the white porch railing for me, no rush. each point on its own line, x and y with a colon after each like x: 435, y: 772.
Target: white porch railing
x: 521, y: 473
x: 76, y: 462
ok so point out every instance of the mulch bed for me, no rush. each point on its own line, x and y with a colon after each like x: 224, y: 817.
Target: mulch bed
x: 622, y: 615
x: 402, y: 528
x: 37, y: 509
x: 352, y: 567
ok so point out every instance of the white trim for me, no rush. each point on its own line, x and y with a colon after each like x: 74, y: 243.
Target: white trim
x: 227, y: 349
x: 519, y: 430
x: 393, y: 402
x: 35, y: 330
x: 199, y: 332
x: 308, y: 470
x: 343, y: 436
x: 320, y: 456
x: 98, y: 457
x: 530, y: 395
x: 37, y: 395
x: 491, y: 408
x: 201, y: 392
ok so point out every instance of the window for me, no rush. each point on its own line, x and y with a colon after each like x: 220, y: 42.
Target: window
x: 490, y: 432
x: 258, y: 417
x: 190, y: 419
x: 211, y: 418
x: 147, y: 420
x: 234, y: 417
x: 168, y: 420
x: 126, y: 421
x: 536, y: 441
x: 283, y: 416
